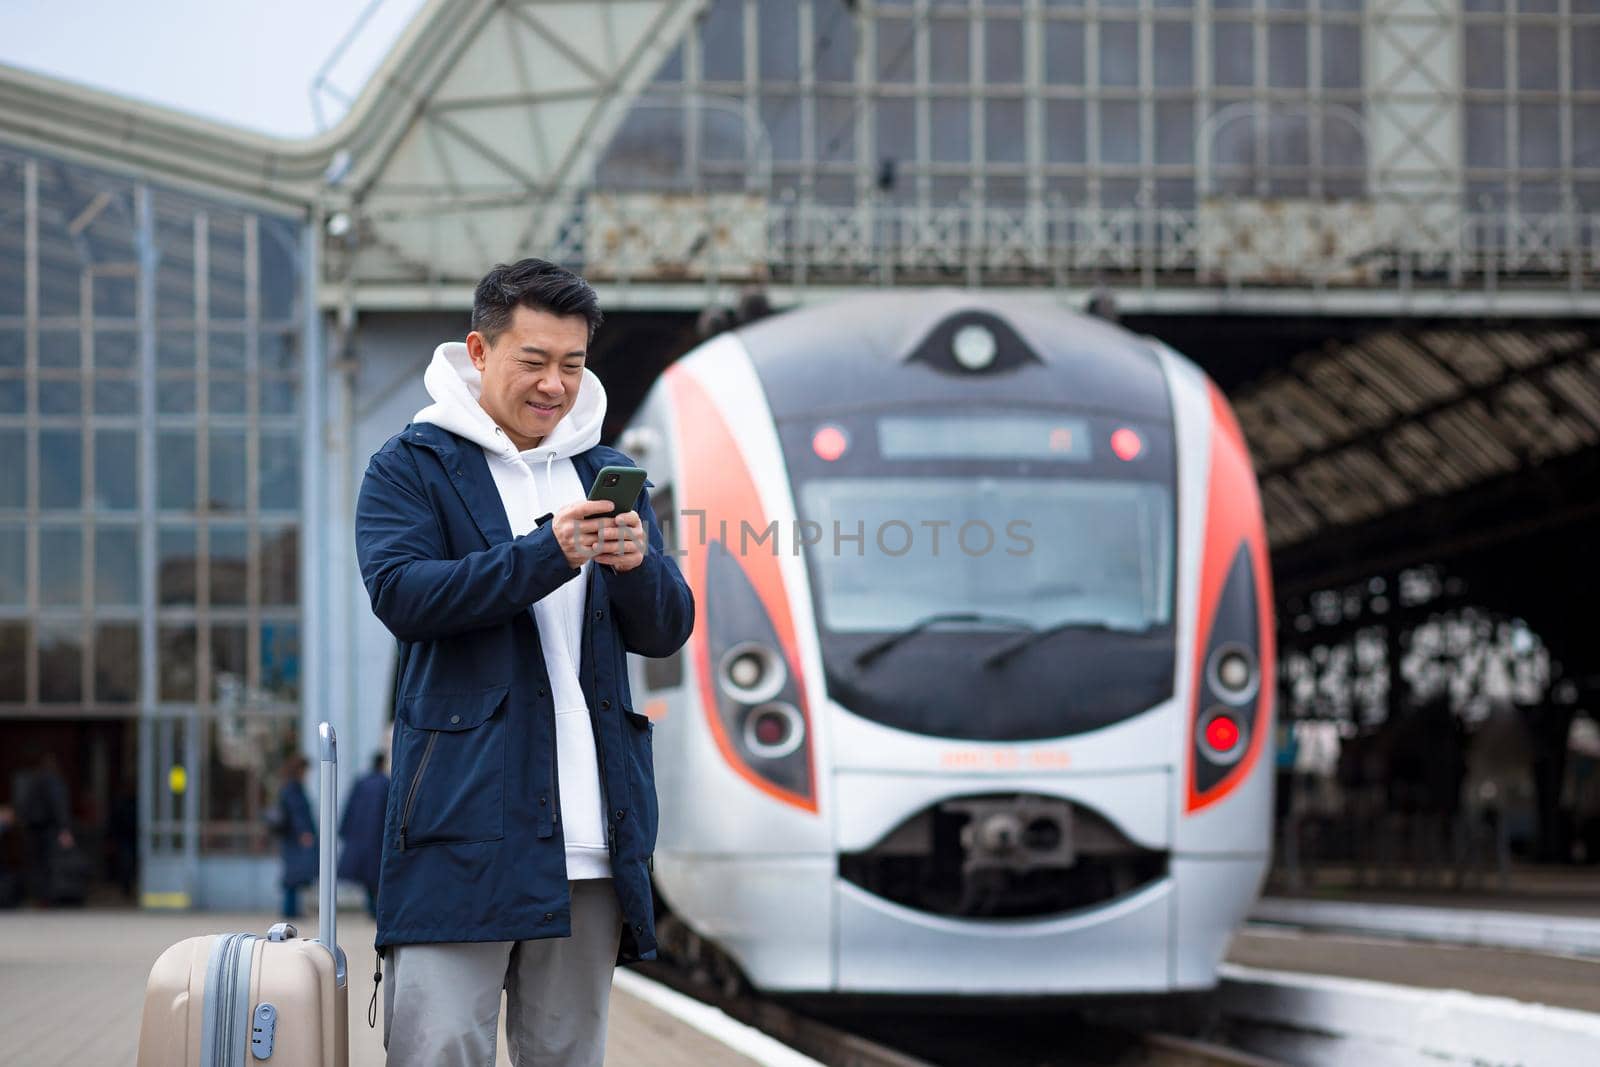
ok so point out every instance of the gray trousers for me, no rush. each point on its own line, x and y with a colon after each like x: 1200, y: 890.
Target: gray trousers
x: 441, y: 1002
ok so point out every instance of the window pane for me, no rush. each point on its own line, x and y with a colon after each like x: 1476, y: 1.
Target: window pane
x: 835, y: 49
x: 176, y: 566
x: 280, y: 565
x: 60, y: 469
x: 60, y: 348
x: 896, y: 50
x: 280, y: 472
x: 13, y: 349
x: 1002, y: 46
x: 116, y: 470
x: 1174, y: 55
x: 1486, y: 135
x: 176, y: 654
x: 13, y: 396
x: 1232, y: 53
x: 1485, y: 65
x: 14, y: 470
x: 722, y: 42
x: 1064, y: 131
x: 116, y: 663
x: 175, y: 457
x: 897, y: 129
x: 280, y: 267
x: 116, y: 396
x: 229, y: 553
x: 1004, y: 137
x: 282, y: 397
x: 280, y: 660
x: 278, y: 352
x: 228, y: 655
x: 1119, y: 53
x: 175, y: 395
x: 116, y: 566
x: 226, y: 233
x: 1174, y: 131
x: 1063, y: 53
x: 13, y: 651
x: 779, y: 36
x: 60, y: 662
x: 227, y: 474
x: 116, y: 349
x: 1119, y: 132
x: 1537, y: 50
x: 13, y: 565
x: 175, y: 351
x: 780, y: 114
x: 1538, y: 131
x: 226, y: 352
x: 948, y: 52
x: 1286, y: 55
x: 952, y: 130
x: 60, y: 565
x: 836, y: 130
x: 59, y: 396
x: 227, y: 397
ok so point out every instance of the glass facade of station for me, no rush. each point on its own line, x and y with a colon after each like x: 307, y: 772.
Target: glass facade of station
x: 151, y: 409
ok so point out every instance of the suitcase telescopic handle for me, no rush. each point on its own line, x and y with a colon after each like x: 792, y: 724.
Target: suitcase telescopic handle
x: 327, y: 909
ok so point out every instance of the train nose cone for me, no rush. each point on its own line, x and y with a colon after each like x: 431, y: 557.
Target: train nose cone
x: 1000, y: 833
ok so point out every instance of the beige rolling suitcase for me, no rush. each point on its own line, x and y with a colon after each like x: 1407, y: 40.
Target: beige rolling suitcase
x: 238, y: 1000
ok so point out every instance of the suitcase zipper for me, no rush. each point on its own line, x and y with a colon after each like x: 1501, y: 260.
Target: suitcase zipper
x: 416, y: 780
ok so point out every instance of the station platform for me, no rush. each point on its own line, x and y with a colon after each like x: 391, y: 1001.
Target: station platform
x: 72, y: 990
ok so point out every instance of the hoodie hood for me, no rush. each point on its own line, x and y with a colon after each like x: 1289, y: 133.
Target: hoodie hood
x: 455, y: 385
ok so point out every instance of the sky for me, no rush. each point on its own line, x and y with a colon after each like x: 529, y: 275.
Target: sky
x: 247, y: 63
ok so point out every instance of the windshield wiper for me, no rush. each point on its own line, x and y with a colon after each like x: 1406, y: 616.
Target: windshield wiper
x: 878, y: 648
x: 1006, y: 651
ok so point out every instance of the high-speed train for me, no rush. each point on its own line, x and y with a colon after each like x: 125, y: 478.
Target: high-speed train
x: 980, y: 684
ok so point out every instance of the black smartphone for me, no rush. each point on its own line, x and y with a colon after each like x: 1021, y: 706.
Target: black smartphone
x: 620, y: 485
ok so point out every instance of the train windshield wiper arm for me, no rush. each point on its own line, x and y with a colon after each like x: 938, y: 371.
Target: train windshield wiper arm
x: 1006, y: 651
x: 878, y: 648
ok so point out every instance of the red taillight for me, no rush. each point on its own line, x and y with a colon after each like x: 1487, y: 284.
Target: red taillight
x: 1222, y: 734
x: 1126, y: 444
x: 829, y: 443
x: 771, y: 729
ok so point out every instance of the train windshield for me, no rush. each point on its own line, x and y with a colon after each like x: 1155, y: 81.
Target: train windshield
x: 996, y: 575
x: 1043, y: 552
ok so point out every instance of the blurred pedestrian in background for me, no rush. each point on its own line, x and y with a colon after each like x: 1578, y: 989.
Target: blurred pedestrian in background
x: 10, y: 891
x: 362, y: 831
x: 45, y: 812
x: 298, y: 833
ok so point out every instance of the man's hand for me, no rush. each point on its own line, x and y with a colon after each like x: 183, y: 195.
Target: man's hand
x: 579, y: 529
x: 624, y: 542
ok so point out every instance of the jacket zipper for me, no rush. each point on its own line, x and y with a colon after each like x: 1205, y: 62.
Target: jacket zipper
x: 594, y: 724
x: 416, y: 780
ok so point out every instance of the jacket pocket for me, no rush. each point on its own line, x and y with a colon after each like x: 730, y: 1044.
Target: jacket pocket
x: 639, y: 733
x: 454, y: 752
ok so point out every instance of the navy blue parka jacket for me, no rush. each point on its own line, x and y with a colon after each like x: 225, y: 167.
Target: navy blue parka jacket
x: 474, y: 789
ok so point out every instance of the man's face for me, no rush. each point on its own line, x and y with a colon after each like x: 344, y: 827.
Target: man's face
x: 531, y: 372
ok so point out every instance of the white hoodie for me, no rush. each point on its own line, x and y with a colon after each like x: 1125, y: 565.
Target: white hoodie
x: 532, y: 483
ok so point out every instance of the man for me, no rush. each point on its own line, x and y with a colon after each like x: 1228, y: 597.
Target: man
x: 523, y: 810
x: 361, y: 829
x: 45, y: 810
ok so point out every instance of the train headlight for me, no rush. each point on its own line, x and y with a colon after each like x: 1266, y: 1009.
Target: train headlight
x: 773, y: 731
x: 1233, y: 673
x: 751, y: 672
x: 974, y: 347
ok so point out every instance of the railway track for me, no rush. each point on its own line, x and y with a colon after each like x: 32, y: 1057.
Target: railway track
x: 970, y: 1040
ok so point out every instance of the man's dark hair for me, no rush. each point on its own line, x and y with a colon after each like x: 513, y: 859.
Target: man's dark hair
x: 536, y: 284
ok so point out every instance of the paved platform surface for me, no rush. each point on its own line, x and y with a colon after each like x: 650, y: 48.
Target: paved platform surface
x: 1558, y: 981
x: 72, y: 989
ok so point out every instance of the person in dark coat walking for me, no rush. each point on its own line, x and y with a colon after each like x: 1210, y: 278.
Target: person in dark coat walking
x: 361, y: 829
x: 299, y: 833
x: 519, y: 831
x: 45, y: 811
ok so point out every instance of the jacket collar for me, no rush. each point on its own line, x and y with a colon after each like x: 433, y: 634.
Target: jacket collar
x: 468, y: 470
